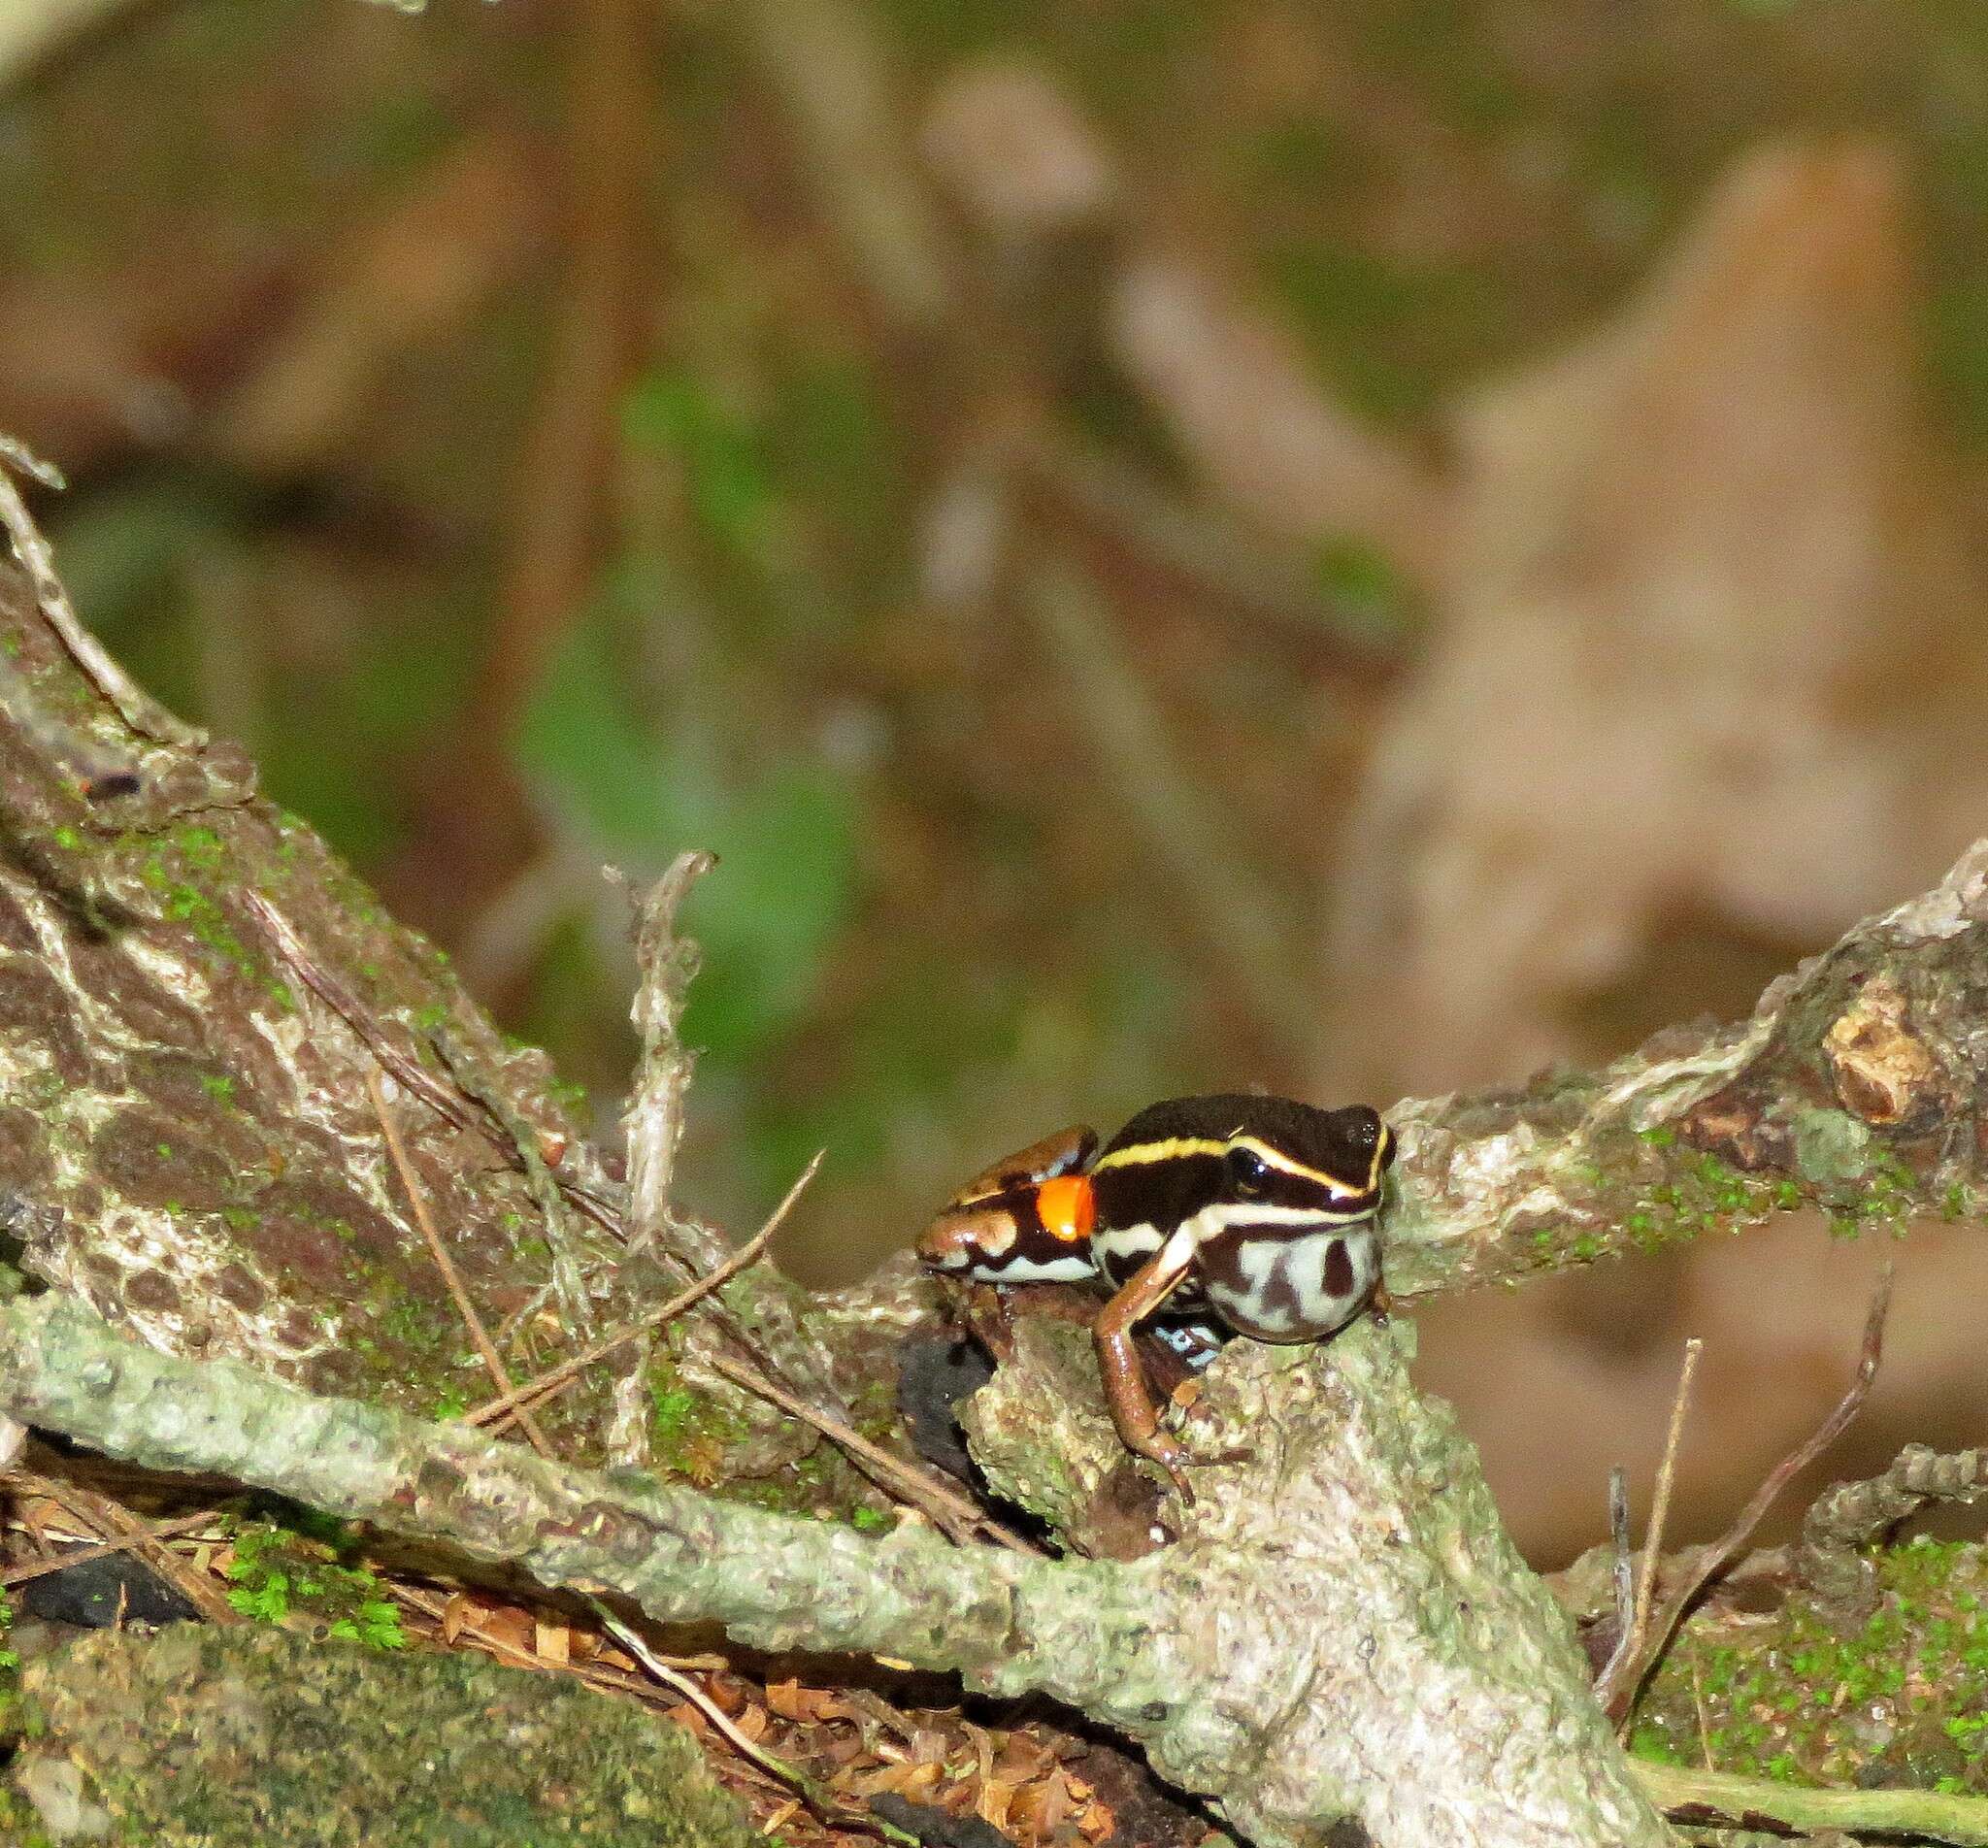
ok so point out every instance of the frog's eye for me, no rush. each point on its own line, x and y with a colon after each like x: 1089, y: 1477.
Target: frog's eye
x: 1247, y: 1170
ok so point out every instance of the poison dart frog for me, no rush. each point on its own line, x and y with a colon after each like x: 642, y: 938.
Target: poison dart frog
x: 1259, y: 1211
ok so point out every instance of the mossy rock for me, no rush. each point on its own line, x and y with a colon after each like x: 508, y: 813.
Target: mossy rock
x: 252, y: 1736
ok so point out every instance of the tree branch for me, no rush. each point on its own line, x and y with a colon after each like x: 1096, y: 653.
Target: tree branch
x: 1855, y: 1086
x: 1290, y: 1658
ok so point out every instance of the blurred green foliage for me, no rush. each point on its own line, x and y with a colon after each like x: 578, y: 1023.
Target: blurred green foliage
x: 784, y: 836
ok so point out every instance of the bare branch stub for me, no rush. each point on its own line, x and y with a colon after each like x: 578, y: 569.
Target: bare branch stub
x: 653, y: 1121
x: 1853, y: 1515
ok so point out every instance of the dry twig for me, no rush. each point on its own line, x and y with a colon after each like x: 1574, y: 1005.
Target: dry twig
x: 99, y: 1514
x: 133, y: 706
x: 1714, y: 1558
x: 953, y: 1513
x: 124, y: 1544
x: 452, y: 1106
x: 499, y: 1410
x: 445, y: 1264
x: 1625, y: 1562
x: 1629, y: 1648
x: 818, y: 1800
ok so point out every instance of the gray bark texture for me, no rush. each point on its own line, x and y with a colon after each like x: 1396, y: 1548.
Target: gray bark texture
x: 1346, y: 1634
x: 193, y: 994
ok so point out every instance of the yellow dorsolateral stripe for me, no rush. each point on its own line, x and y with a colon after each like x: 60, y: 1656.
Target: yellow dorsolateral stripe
x: 1138, y: 1154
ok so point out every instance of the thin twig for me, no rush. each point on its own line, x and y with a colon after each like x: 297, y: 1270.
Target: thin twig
x: 1624, y: 1570
x: 340, y: 999
x: 124, y: 1544
x: 500, y: 1410
x: 451, y: 1106
x: 568, y: 1278
x: 1629, y: 1649
x: 1714, y: 1558
x: 444, y: 1263
x: 133, y: 706
x: 818, y: 1800
x: 99, y: 1514
x: 953, y: 1512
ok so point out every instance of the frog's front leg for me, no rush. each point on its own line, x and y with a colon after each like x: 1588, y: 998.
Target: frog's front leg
x: 1126, y: 1390
x: 989, y: 1318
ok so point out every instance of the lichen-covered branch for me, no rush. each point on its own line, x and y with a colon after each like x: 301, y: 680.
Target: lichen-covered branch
x: 1849, y: 1517
x: 1293, y: 1657
x: 1856, y: 1087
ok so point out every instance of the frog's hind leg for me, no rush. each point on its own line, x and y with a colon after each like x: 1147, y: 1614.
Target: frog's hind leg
x: 1126, y: 1389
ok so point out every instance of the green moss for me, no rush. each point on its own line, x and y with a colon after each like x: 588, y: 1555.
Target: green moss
x: 279, y: 1574
x: 201, y: 847
x: 1898, y: 1702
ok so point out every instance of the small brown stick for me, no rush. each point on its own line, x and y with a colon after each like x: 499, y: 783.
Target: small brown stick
x: 444, y: 1263
x: 133, y: 706
x: 1629, y: 1649
x: 823, y: 1806
x: 124, y: 1544
x: 1624, y: 1571
x: 101, y: 1515
x: 340, y: 999
x: 1711, y: 1559
x: 954, y: 1513
x: 500, y: 1410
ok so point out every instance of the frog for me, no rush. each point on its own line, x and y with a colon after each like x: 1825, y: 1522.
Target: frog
x: 1255, y: 1212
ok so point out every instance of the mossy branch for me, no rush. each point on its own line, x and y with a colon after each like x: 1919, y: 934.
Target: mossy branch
x: 1854, y: 1087
x: 1719, y: 1798
x: 1289, y: 1659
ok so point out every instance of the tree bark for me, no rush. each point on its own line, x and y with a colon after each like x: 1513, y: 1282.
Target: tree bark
x: 193, y: 993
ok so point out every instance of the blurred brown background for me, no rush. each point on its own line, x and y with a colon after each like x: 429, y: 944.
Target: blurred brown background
x: 1359, y: 547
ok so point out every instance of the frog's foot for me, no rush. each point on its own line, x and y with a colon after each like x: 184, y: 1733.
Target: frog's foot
x: 1172, y: 1457
x: 1175, y: 1458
